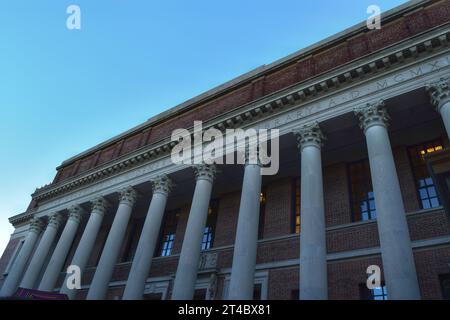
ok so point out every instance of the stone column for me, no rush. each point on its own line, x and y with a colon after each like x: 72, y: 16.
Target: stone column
x: 61, y: 251
x: 142, y: 260
x: 110, y: 254
x: 246, y: 243
x: 396, y: 253
x: 16, y: 271
x: 313, y: 250
x: 440, y: 98
x: 41, y: 253
x: 186, y: 276
x: 87, y: 242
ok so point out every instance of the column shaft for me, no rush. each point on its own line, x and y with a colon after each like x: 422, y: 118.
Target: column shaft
x: 246, y: 243
x: 186, y: 276
x: 61, y: 251
x: 396, y: 252
x: 16, y: 271
x: 87, y: 242
x: 110, y: 254
x: 313, y: 251
x: 145, y: 251
x: 398, y: 260
x: 41, y: 253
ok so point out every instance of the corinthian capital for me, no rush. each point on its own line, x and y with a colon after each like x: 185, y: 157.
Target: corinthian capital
x: 55, y: 221
x: 128, y: 196
x: 372, y: 114
x: 439, y: 92
x: 205, y: 172
x: 162, y: 184
x: 75, y: 213
x: 309, y: 135
x: 36, y: 225
x: 100, y: 205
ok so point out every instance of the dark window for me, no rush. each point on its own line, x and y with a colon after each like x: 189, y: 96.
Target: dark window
x: 132, y: 240
x: 379, y: 293
x: 425, y: 185
x: 361, y: 191
x: 262, y: 214
x: 257, y: 291
x: 295, y: 294
x: 168, y: 233
x: 200, y: 294
x: 297, y: 204
x: 208, y: 232
x: 152, y: 296
x: 445, y: 285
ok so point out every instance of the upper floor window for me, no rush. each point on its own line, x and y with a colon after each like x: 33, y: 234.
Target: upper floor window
x: 425, y: 185
x: 362, y: 198
x: 167, y: 244
x: 132, y: 240
x: 208, y: 232
x: 168, y: 231
x: 297, y: 206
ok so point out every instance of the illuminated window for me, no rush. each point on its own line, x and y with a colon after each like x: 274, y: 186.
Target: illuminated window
x: 426, y: 189
x: 167, y: 245
x: 361, y: 191
x: 208, y: 232
x: 168, y: 233
x: 379, y: 293
x: 296, y: 216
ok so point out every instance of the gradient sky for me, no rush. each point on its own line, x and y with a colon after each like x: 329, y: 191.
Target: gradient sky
x: 64, y: 91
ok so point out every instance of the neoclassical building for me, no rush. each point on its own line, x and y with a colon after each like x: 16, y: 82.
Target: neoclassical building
x: 360, y: 114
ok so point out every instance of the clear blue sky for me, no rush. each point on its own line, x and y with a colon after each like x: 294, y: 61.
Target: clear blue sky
x: 64, y: 91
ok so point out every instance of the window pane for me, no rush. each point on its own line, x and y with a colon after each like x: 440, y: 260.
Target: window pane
x: 425, y: 184
x: 362, y: 196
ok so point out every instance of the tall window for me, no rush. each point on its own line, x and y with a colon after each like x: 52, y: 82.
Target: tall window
x: 361, y: 191
x: 208, y: 232
x: 168, y: 233
x: 133, y: 240
x: 296, y: 210
x: 424, y: 182
x: 262, y: 213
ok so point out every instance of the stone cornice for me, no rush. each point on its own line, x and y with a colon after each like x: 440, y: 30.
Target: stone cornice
x: 298, y: 95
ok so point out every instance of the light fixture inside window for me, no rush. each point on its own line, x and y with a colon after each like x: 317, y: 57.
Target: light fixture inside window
x: 431, y: 150
x: 262, y: 198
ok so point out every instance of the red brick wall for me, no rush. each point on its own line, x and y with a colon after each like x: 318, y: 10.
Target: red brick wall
x: 336, y: 195
x: 282, y: 282
x: 278, y: 217
x: 227, y: 220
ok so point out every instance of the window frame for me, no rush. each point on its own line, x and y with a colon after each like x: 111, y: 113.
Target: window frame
x: 414, y: 174
x: 367, y: 199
